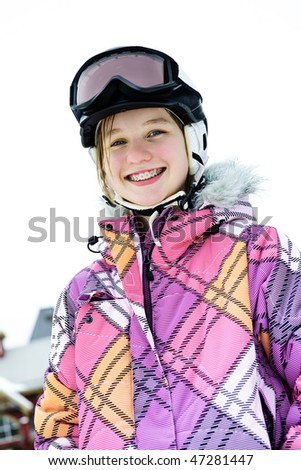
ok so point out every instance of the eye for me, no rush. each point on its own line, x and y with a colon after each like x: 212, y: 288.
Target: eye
x: 155, y: 133
x: 118, y: 142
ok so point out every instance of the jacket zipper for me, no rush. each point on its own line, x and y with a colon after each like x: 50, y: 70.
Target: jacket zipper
x: 147, y: 274
x: 147, y: 277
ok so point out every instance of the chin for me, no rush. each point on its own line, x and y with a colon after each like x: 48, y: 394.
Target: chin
x: 150, y: 202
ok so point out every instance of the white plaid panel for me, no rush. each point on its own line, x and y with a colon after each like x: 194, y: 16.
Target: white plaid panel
x: 238, y: 397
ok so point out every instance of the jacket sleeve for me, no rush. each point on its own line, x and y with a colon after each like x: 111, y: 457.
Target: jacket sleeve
x: 56, y: 414
x: 278, y: 313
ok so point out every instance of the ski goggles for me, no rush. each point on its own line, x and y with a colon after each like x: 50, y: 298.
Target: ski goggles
x: 138, y: 67
x: 128, y: 78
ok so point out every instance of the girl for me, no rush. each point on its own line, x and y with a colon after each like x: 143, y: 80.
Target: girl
x: 185, y: 332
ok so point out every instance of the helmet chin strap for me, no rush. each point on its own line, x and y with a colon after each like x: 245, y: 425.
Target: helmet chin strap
x: 171, y: 200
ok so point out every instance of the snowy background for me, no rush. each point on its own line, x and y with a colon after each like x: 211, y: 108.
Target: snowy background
x: 244, y: 57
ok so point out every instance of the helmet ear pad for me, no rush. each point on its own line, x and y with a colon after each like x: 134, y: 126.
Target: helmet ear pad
x: 196, y: 142
x: 92, y: 152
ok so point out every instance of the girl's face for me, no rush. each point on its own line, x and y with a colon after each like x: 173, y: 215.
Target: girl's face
x: 147, y: 159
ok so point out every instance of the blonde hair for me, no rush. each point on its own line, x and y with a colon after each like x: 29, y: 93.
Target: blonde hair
x: 104, y: 128
x: 102, y: 153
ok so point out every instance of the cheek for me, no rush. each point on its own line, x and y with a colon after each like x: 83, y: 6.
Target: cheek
x: 181, y: 160
x: 109, y: 169
x: 113, y: 173
x: 184, y: 170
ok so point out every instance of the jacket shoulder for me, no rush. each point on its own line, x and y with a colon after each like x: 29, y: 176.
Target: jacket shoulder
x: 84, y: 280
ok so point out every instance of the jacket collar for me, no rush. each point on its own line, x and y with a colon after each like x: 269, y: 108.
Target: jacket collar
x: 223, y: 202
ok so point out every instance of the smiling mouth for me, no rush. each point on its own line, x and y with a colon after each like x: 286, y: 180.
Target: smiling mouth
x: 146, y: 175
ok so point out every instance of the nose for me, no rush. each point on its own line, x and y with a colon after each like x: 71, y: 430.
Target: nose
x: 138, y: 152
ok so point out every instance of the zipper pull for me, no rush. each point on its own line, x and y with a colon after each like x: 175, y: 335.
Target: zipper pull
x: 149, y: 275
x: 148, y: 270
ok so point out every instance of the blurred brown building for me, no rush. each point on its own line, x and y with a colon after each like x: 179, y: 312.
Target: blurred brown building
x: 21, y: 380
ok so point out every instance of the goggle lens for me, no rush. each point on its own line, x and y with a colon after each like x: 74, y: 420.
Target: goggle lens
x: 140, y: 69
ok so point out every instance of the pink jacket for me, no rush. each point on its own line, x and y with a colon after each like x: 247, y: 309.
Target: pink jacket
x: 190, y: 343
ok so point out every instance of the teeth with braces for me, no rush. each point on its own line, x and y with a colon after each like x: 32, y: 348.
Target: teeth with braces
x: 146, y: 175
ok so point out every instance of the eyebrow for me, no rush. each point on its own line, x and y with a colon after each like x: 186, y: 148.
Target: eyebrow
x: 159, y: 120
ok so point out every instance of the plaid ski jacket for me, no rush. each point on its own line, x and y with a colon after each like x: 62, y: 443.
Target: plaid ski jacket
x: 189, y: 342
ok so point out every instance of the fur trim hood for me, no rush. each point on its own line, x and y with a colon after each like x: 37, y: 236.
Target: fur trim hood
x: 226, y: 183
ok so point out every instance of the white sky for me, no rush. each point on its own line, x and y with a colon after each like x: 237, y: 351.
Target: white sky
x: 244, y: 56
